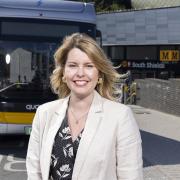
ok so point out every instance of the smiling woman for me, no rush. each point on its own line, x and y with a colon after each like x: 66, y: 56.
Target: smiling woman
x: 85, y: 135
x: 80, y: 73
x: 82, y: 51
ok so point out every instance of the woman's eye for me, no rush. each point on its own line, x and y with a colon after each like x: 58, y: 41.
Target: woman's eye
x: 90, y: 66
x: 72, y: 65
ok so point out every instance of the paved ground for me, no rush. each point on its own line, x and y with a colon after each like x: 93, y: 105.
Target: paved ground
x: 161, y: 143
x: 162, y: 172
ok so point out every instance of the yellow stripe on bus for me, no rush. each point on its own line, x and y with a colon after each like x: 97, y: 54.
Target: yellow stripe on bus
x: 16, y: 117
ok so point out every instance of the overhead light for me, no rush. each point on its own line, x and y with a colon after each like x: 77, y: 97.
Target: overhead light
x: 8, y: 58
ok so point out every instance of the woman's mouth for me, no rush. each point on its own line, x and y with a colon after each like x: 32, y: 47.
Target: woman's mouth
x: 80, y: 82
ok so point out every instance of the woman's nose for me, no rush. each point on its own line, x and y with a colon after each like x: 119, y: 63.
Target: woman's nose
x: 80, y: 71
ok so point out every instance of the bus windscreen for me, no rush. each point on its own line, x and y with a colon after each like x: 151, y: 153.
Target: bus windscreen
x: 37, y: 29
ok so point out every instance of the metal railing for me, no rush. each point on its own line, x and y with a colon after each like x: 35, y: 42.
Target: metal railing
x: 129, y: 93
x: 128, y: 89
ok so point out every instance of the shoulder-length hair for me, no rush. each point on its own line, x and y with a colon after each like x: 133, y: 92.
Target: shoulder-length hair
x: 107, y: 88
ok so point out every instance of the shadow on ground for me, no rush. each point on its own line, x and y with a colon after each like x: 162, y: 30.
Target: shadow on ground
x: 158, y: 150
x: 14, y: 144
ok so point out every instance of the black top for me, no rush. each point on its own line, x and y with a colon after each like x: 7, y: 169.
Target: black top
x: 63, y: 153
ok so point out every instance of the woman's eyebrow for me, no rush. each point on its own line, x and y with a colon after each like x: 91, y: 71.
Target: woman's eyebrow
x: 89, y: 62
x: 71, y: 62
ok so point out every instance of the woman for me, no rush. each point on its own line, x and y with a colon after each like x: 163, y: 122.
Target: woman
x: 84, y: 135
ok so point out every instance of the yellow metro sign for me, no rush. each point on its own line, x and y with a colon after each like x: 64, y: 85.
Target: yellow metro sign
x: 169, y: 55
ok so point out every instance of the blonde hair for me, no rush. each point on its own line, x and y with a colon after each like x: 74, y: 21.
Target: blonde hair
x: 107, y: 88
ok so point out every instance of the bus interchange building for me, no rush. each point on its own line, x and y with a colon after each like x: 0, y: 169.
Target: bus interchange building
x: 147, y: 41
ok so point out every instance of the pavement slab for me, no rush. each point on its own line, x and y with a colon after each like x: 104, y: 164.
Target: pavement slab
x: 161, y: 143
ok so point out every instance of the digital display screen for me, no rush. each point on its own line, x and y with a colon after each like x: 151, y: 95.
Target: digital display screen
x: 35, y: 29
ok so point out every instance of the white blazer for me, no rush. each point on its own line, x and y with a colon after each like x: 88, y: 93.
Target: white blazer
x: 110, y: 146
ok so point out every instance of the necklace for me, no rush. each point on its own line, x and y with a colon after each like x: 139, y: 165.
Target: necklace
x: 79, y: 118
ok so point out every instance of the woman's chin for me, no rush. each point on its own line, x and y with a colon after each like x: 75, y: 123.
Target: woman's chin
x: 81, y: 93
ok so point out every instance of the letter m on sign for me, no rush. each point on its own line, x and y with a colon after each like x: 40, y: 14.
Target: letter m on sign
x: 169, y: 55
x: 175, y: 55
x: 164, y: 55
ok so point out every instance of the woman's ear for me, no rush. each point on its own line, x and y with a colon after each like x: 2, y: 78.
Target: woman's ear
x: 100, y: 80
x: 64, y: 79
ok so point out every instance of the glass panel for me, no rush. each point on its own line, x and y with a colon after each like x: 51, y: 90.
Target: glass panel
x: 142, y: 53
x: 25, y: 68
x: 34, y: 29
x: 105, y: 49
x: 117, y: 52
x: 167, y: 47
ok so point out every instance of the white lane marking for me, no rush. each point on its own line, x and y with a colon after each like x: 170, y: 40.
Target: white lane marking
x: 9, y: 165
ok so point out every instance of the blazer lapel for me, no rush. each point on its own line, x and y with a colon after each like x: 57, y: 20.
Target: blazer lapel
x: 92, y: 123
x: 55, y: 123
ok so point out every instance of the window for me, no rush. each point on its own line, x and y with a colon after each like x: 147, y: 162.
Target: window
x: 37, y: 29
x: 142, y: 53
x: 117, y: 52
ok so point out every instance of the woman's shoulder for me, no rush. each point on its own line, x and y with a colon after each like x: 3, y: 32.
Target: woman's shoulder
x: 120, y: 113
x: 114, y: 106
x: 51, y: 105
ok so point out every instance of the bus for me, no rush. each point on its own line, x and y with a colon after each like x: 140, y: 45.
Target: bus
x: 30, y: 32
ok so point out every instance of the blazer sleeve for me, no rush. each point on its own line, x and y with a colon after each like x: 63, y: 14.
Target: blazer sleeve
x: 33, y: 153
x: 129, y: 149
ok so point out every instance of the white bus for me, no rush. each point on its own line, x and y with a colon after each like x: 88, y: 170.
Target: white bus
x: 30, y: 32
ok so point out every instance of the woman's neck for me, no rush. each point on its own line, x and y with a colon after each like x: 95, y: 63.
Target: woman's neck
x: 80, y: 104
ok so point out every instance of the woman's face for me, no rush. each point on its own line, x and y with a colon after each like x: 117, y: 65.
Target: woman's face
x: 80, y: 73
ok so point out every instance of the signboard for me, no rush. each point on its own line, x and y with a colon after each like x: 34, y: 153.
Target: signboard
x: 147, y: 65
x: 169, y: 55
x: 150, y: 65
x: 143, y: 65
